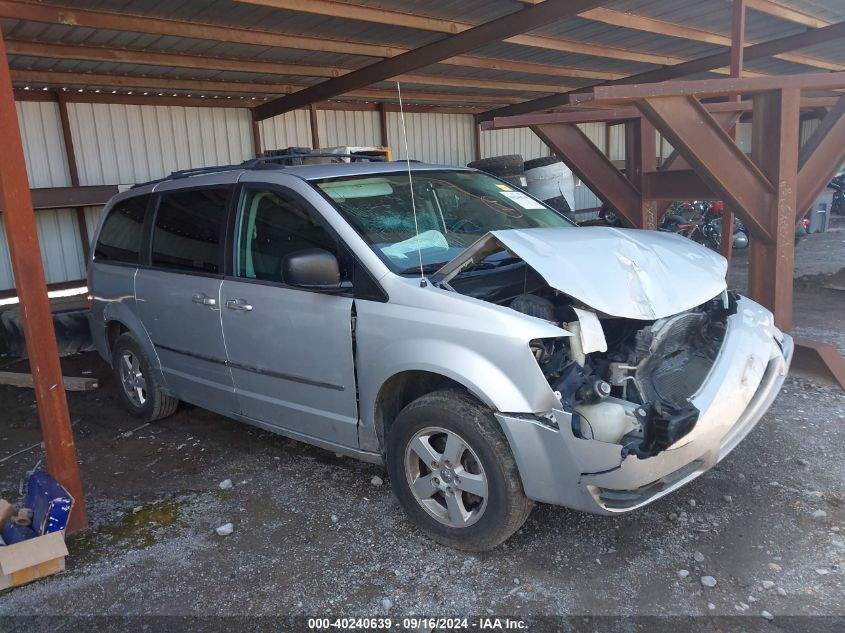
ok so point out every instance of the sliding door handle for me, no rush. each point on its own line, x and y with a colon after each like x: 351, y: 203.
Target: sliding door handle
x: 239, y: 304
x: 204, y: 299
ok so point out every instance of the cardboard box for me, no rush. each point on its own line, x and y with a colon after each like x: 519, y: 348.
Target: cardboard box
x: 7, y: 511
x: 30, y: 560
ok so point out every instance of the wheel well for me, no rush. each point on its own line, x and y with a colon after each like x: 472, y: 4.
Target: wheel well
x: 402, y: 389
x: 113, y: 331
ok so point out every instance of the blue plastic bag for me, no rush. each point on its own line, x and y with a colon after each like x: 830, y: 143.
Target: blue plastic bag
x: 50, y: 503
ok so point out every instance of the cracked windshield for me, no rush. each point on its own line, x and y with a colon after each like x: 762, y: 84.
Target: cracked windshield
x: 454, y: 209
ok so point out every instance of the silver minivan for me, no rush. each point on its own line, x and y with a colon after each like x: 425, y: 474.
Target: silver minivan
x: 438, y: 320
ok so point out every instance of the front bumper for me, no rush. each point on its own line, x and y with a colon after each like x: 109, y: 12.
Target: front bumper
x: 557, y: 467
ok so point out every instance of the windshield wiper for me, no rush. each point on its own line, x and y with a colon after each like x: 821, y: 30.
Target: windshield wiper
x: 427, y: 268
x: 486, y: 265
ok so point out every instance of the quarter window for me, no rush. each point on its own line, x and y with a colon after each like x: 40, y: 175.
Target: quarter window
x: 121, y: 235
x: 274, y: 225
x: 188, y: 230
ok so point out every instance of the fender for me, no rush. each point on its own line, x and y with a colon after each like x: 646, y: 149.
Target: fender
x: 522, y: 389
x: 121, y: 312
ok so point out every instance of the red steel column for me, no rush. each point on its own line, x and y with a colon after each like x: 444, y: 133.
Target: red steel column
x: 16, y: 203
x: 771, y: 265
x: 737, y: 48
x: 641, y: 158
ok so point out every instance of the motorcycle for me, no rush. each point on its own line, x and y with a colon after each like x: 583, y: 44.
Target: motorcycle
x: 704, y: 224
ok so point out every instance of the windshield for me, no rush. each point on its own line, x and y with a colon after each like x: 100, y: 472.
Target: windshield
x: 454, y: 209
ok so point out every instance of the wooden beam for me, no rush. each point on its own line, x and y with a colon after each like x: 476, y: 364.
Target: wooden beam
x: 628, y: 20
x: 378, y: 15
x: 211, y: 86
x: 588, y: 162
x: 641, y: 158
x: 704, y: 88
x: 771, y: 264
x: 70, y: 155
x: 69, y: 197
x: 133, y: 98
x: 256, y: 138
x: 737, y: 64
x: 675, y: 184
x: 493, y: 31
x: 315, y: 126
x: 71, y: 383
x: 151, y: 58
x: 217, y: 101
x: 834, y: 32
x: 620, y: 114
x: 36, y: 317
x: 382, y: 123
x: 820, y: 359
x: 120, y: 21
x: 699, y: 138
x: 821, y: 158
x: 786, y: 13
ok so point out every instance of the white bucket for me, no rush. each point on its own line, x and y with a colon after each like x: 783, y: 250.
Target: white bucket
x: 551, y: 181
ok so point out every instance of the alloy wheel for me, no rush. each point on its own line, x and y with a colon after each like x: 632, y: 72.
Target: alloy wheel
x: 132, y: 378
x: 446, y: 477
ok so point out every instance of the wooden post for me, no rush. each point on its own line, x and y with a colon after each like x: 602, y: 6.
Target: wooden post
x: 382, y: 121
x: 73, y: 171
x: 737, y: 48
x: 256, y: 138
x: 315, y: 128
x: 775, y: 152
x: 36, y: 317
x: 640, y: 158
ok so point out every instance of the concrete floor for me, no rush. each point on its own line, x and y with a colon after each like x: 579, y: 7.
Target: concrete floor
x: 154, y: 502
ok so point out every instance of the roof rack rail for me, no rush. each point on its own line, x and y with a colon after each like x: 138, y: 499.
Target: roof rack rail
x: 256, y: 162
x: 281, y: 158
x: 186, y: 173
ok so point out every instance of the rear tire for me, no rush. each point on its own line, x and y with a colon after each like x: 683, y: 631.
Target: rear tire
x: 507, y: 165
x: 139, y: 390
x: 453, y: 472
x: 544, y: 161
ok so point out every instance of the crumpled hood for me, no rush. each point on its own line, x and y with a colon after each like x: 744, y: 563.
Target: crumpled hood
x: 626, y: 273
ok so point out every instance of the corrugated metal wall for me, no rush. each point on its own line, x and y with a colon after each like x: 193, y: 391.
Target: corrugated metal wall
x: 120, y: 144
x: 129, y: 143
x: 433, y: 137
x: 46, y: 164
x: 517, y: 141
x: 291, y: 129
x: 349, y: 127
x: 114, y: 144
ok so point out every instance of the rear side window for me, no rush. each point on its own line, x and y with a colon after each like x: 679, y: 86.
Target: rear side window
x: 120, y: 237
x: 188, y: 230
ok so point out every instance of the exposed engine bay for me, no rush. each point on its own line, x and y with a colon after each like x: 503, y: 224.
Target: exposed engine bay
x: 646, y: 323
x: 626, y: 381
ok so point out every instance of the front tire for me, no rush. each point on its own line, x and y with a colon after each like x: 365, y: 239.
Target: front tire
x: 137, y: 385
x: 453, y: 472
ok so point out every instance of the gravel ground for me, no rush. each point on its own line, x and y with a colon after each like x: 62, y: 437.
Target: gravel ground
x: 314, y: 536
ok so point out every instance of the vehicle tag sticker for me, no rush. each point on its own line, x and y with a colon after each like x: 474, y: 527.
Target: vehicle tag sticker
x: 503, y: 187
x: 522, y: 200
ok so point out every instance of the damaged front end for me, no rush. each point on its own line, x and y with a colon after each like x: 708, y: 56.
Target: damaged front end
x: 653, y: 389
x: 634, y: 391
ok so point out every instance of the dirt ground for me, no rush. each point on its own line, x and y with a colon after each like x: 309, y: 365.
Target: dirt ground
x: 314, y: 536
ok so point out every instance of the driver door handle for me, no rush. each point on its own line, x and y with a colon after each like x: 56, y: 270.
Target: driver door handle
x: 239, y: 304
x: 204, y: 299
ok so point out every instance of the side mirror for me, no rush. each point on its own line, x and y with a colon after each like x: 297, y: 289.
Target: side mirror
x: 311, y: 268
